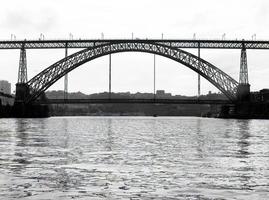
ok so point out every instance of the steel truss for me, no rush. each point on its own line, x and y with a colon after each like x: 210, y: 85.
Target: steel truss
x: 22, y: 74
x: 209, y: 44
x: 243, y: 78
x: 50, y: 75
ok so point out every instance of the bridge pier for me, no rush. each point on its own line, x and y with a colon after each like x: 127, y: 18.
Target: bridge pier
x: 243, y: 107
x: 19, y: 108
x: 22, y: 92
x: 22, y: 109
x: 243, y: 104
x: 243, y: 92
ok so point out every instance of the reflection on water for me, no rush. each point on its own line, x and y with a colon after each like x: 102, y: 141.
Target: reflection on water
x: 134, y: 158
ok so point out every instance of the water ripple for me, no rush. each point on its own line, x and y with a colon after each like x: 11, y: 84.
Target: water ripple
x: 134, y: 158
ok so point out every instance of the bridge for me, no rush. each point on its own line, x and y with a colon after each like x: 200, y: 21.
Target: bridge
x: 87, y: 43
x: 29, y: 91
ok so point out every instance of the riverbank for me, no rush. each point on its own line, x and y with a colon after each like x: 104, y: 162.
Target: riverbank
x: 238, y: 111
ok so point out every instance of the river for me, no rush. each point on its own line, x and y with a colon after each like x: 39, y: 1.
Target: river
x: 134, y: 158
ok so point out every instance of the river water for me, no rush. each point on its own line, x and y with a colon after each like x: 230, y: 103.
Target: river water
x: 134, y: 158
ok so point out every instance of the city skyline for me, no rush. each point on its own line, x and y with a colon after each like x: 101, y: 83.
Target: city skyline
x: 134, y: 71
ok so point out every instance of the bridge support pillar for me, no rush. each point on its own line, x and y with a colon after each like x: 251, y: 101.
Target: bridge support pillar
x: 243, y: 90
x: 22, y: 74
x: 29, y: 110
x: 21, y: 109
x: 22, y: 92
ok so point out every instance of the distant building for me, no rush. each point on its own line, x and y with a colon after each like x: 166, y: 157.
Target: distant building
x: 260, y: 96
x: 5, y: 87
x: 162, y: 94
x: 264, y: 95
x: 143, y: 95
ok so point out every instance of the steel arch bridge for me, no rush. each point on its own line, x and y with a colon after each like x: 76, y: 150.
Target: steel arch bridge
x: 42, y: 81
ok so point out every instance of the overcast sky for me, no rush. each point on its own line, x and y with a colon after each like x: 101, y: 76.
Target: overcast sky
x: 133, y: 72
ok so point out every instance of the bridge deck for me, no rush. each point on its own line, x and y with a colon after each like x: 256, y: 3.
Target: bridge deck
x: 85, y: 43
x: 130, y: 101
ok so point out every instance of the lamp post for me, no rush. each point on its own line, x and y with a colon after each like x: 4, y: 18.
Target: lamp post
x: 42, y: 37
x: 71, y: 36
x: 13, y: 36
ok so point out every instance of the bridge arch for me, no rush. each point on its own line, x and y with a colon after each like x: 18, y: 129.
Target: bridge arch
x: 50, y: 75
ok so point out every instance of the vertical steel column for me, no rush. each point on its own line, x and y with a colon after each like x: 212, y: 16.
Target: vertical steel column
x: 109, y: 77
x: 243, y: 77
x: 243, y: 89
x: 22, y: 73
x: 154, y: 73
x: 199, y: 79
x: 66, y: 78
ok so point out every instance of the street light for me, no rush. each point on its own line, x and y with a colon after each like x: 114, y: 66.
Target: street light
x: 42, y: 37
x: 13, y: 37
x: 70, y: 36
x: 253, y: 37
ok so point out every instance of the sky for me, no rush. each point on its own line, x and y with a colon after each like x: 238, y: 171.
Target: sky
x: 175, y: 19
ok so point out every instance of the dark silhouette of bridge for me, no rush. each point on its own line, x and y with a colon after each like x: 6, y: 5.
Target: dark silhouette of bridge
x: 29, y: 92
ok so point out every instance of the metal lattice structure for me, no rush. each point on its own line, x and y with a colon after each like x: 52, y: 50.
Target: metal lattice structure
x: 243, y: 77
x: 87, y: 43
x: 22, y: 74
x: 50, y: 75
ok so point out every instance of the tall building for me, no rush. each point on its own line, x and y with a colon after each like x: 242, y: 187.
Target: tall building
x: 5, y: 87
